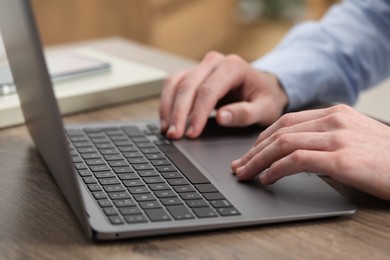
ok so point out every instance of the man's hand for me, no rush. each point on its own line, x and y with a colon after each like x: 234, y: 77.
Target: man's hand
x: 188, y: 97
x: 338, y: 141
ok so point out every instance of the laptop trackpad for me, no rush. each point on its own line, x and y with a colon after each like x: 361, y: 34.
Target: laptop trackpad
x: 216, y: 157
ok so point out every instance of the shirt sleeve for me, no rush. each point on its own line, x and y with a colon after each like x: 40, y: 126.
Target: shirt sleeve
x: 334, y: 59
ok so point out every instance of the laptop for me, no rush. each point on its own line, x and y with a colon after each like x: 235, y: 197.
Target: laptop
x: 125, y: 180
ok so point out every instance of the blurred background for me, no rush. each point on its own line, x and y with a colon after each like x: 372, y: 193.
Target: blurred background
x: 188, y: 28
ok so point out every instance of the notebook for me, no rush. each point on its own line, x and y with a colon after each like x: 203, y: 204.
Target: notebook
x: 125, y: 180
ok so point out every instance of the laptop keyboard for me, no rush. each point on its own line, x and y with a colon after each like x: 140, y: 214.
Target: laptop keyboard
x: 140, y: 177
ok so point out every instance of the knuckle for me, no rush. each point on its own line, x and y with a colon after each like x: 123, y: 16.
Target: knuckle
x: 277, y: 134
x: 234, y: 59
x: 299, y: 157
x: 341, y: 108
x: 287, y: 120
x: 284, y: 141
x: 336, y: 120
x: 212, y: 56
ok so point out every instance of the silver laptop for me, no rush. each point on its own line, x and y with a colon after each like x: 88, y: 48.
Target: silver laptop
x: 125, y: 180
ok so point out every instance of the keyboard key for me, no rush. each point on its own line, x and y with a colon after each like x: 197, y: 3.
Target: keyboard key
x: 139, y: 190
x: 180, y: 212
x: 154, y: 156
x: 130, y: 211
x: 119, y: 195
x: 166, y: 168
x: 171, y: 201
x: 110, y: 211
x: 127, y: 148
x: 190, y: 196
x: 74, y: 132
x: 150, y: 204
x: 82, y: 144
x: 94, y: 187
x: 100, y: 140
x: 108, y: 181
x: 159, y: 186
x: 114, y: 188
x: 123, y: 169
x: 150, y: 180
x: 228, y: 212
x: 134, y: 219
x: 80, y: 166
x: 99, y: 195
x: 165, y: 193
x: 220, y: 203
x: 118, y: 163
x: 172, y: 175
x: 105, y: 203
x: 95, y: 162
x: 105, y: 146
x: 203, y: 188
x: 93, y: 130
x: 205, y: 212
x: 85, y: 173
x: 132, y: 131
x: 160, y: 162
x: 128, y: 176
x: 213, y: 196
x: 141, y: 139
x: 106, y: 174
x: 89, y: 180
x: 76, y: 159
x: 184, y: 188
x: 91, y: 155
x: 119, y: 137
x: 123, y: 143
x: 99, y: 168
x: 116, y: 220
x: 197, y: 203
x: 144, y: 197
x: 133, y: 154
x: 148, y: 173
x: 124, y: 203
x: 109, y: 151
x: 180, y: 181
x: 137, y: 160
x: 133, y: 183
x: 141, y: 167
x: 113, y: 157
x: 157, y: 215
x: 150, y: 150
x: 145, y: 145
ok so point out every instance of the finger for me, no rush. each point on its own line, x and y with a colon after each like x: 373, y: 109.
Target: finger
x: 241, y: 113
x: 166, y: 99
x: 310, y: 129
x: 291, y: 119
x: 300, y: 161
x: 282, y: 147
x: 185, y: 93
x: 227, y: 76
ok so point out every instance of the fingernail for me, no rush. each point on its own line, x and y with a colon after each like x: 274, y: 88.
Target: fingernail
x: 190, y: 131
x: 226, y: 117
x: 263, y: 178
x: 163, y: 125
x: 171, y: 130
x: 240, y: 171
x: 235, y: 163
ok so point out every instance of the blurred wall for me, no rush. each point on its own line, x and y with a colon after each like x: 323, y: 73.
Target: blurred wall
x: 184, y: 27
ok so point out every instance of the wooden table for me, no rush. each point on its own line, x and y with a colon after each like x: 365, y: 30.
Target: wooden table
x: 36, y: 222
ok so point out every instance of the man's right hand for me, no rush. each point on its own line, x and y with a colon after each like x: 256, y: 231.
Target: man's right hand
x: 188, y: 97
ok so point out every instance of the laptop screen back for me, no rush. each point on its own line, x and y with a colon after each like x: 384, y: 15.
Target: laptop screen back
x: 39, y: 106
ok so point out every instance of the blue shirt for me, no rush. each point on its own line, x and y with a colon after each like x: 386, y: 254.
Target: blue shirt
x: 334, y: 59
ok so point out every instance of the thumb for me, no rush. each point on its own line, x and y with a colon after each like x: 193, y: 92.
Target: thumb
x: 240, y: 114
